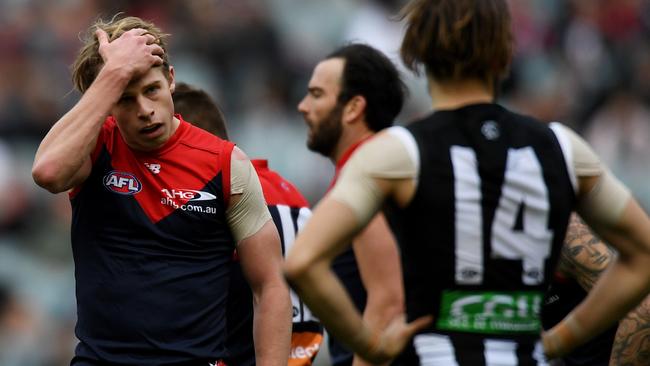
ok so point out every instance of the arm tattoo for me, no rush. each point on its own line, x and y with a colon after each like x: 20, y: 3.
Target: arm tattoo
x: 584, y: 257
x: 631, y: 345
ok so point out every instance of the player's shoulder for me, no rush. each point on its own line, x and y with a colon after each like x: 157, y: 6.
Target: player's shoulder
x: 390, y: 142
x: 200, y: 139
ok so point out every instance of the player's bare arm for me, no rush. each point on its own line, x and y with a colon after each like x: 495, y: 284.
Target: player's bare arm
x: 584, y: 257
x: 63, y: 158
x: 379, y: 264
x: 607, y: 206
x: 308, y: 270
x: 632, y: 342
x: 624, y: 284
x: 260, y: 255
x: 261, y: 261
x: 353, y: 202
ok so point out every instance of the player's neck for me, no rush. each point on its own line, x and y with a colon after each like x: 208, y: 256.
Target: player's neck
x: 349, y: 138
x: 453, y: 95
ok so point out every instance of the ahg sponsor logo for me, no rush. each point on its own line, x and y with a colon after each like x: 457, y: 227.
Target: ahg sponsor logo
x: 122, y: 183
x: 182, y: 199
x: 188, y: 194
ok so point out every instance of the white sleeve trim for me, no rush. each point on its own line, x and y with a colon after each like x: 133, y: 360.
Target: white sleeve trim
x: 410, y: 145
x: 567, y: 150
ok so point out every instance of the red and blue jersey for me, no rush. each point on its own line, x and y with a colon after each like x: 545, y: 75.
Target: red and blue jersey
x: 152, y: 250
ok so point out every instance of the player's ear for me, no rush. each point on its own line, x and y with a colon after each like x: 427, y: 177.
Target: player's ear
x: 171, y: 79
x: 354, y: 109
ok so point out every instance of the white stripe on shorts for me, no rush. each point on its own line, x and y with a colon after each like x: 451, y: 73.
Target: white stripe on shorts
x: 500, y: 352
x: 435, y: 350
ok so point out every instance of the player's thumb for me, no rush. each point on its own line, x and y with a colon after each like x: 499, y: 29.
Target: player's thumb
x: 419, y: 324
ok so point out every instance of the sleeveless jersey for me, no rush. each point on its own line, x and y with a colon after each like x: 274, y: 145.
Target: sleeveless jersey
x: 152, y: 251
x: 480, y: 238
x: 563, y: 295
x: 290, y: 211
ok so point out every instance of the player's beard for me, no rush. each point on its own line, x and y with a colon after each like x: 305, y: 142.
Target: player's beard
x: 326, y: 135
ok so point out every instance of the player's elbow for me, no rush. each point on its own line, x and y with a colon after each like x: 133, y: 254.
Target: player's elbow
x: 274, y: 289
x: 47, y: 176
x: 293, y: 269
x: 298, y: 270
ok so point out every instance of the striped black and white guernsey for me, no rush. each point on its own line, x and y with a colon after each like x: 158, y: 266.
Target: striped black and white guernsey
x: 481, y: 236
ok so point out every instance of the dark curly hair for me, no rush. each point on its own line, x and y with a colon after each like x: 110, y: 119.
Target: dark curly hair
x: 369, y: 73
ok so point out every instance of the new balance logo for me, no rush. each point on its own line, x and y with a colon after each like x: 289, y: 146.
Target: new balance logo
x: 155, y: 168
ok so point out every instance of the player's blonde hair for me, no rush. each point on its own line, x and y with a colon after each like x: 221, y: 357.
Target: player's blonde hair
x: 89, y: 61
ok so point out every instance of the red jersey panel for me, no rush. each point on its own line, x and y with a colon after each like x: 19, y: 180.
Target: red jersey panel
x: 277, y: 190
x: 158, y: 176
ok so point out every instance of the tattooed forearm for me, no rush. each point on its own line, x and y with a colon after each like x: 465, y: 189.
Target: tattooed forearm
x: 631, y: 345
x: 584, y: 256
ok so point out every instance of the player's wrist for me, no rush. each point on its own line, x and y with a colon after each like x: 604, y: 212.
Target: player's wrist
x: 562, y: 338
x: 116, y: 71
x: 371, y: 342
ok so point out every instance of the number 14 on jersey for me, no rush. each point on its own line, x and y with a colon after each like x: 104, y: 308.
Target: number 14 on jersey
x: 519, y: 228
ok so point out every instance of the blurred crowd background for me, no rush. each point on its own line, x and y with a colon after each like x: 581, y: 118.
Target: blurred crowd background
x: 583, y: 62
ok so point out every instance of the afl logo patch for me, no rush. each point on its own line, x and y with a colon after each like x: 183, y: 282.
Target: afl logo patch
x: 122, y: 183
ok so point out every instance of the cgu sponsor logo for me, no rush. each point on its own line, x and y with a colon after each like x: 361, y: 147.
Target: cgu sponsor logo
x: 122, y: 183
x: 188, y: 195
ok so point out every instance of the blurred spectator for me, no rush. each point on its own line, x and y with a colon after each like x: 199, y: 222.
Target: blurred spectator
x: 620, y: 132
x: 14, y: 196
x: 17, y: 332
